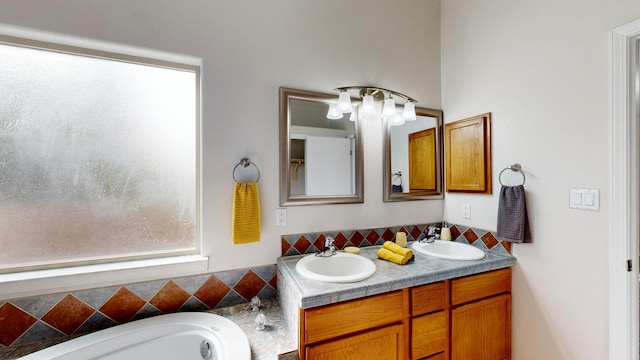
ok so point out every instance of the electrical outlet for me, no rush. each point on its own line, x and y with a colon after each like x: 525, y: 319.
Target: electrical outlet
x: 281, y: 216
x: 466, y: 211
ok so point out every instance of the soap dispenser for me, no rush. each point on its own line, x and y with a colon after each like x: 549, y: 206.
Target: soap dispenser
x: 401, y: 239
x: 445, y: 232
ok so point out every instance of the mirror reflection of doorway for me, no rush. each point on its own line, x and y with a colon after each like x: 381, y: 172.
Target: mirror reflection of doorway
x: 422, y: 164
x: 328, y: 166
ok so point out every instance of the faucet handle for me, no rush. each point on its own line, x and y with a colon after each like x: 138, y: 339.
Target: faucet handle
x: 433, y: 232
x: 329, y: 248
x: 328, y: 242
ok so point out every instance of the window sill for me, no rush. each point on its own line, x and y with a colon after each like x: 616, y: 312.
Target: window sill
x: 33, y: 283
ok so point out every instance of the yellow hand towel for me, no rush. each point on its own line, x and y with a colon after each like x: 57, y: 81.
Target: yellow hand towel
x: 245, y: 218
x: 397, y: 249
x: 393, y: 257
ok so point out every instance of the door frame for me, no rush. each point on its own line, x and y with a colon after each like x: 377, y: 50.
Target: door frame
x: 623, y: 191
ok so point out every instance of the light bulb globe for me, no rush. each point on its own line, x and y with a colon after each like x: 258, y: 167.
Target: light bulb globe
x: 409, y: 112
x: 334, y: 113
x: 389, y: 108
x: 344, y: 102
x: 368, y: 107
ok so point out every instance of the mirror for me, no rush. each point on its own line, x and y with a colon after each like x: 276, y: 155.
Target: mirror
x: 413, y: 158
x: 321, y: 160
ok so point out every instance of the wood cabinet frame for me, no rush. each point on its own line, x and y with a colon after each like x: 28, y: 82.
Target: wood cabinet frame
x: 462, y: 318
x: 468, y: 155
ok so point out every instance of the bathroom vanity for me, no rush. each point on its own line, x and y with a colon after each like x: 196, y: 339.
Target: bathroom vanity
x: 428, y: 309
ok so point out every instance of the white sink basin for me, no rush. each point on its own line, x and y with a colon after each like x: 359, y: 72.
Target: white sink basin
x: 341, y: 268
x: 449, y: 250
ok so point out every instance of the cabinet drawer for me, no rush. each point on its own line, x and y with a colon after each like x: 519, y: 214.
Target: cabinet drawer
x: 474, y: 287
x: 355, y: 315
x: 428, y: 298
x: 428, y: 334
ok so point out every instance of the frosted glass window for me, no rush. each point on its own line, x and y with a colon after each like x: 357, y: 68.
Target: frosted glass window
x: 98, y: 158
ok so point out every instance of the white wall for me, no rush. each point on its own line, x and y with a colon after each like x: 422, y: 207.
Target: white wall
x: 540, y: 68
x: 250, y: 49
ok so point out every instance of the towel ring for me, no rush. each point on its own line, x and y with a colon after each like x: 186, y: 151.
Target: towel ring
x: 514, y: 168
x: 398, y: 174
x: 244, y: 162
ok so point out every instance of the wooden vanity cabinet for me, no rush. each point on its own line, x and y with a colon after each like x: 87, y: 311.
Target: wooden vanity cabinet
x: 459, y: 319
x: 481, y: 316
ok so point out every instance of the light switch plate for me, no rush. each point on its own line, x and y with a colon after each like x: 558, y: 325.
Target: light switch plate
x: 585, y: 199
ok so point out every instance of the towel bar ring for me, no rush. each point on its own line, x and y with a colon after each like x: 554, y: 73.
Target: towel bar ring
x: 514, y: 168
x: 244, y: 162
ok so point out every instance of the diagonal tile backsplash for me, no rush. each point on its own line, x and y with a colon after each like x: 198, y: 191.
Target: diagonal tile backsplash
x: 52, y: 316
x: 298, y: 244
x: 307, y: 243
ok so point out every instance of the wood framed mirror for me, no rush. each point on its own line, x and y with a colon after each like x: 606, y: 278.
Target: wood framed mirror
x: 321, y: 160
x: 413, y: 160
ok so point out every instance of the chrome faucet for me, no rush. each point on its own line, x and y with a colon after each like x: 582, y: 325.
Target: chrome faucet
x: 329, y: 248
x: 432, y: 235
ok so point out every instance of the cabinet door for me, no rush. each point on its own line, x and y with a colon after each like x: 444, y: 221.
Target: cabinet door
x: 385, y: 343
x: 482, y: 330
x: 468, y: 154
x: 422, y: 160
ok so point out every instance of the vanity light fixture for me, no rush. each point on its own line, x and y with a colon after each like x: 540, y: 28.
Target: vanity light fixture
x: 334, y: 113
x: 370, y: 95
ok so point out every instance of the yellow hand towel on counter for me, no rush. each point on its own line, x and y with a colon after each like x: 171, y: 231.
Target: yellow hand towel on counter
x: 245, y: 217
x: 393, y: 257
x: 397, y: 249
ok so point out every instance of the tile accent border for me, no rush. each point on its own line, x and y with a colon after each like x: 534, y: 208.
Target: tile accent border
x: 308, y: 243
x: 479, y: 238
x: 48, y: 317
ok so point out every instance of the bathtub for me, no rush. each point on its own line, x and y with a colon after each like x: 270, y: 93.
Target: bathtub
x: 188, y: 336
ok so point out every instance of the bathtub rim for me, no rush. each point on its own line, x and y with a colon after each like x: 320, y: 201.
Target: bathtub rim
x: 234, y: 343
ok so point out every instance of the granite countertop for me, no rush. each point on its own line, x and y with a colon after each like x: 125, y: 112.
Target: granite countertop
x: 389, y: 276
x: 275, y: 341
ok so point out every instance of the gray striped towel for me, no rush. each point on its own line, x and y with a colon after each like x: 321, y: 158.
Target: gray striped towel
x: 513, y: 223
